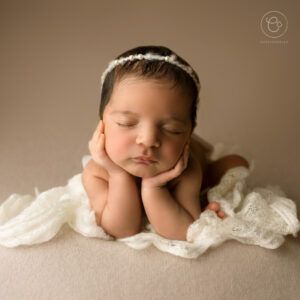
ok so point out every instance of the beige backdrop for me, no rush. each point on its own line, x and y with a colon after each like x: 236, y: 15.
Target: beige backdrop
x: 53, y: 54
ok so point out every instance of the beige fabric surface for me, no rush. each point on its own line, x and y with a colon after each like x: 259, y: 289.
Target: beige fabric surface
x: 52, y: 57
x: 73, y: 267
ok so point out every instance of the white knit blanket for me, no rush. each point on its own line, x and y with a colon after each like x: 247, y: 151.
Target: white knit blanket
x: 258, y: 216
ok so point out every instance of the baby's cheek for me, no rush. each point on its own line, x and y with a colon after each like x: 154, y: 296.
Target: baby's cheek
x: 172, y: 154
x: 110, y: 144
x: 116, y: 146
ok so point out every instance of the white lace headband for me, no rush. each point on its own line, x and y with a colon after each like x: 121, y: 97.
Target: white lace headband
x: 172, y: 59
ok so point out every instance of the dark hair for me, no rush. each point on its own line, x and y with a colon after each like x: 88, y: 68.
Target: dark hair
x: 154, y: 69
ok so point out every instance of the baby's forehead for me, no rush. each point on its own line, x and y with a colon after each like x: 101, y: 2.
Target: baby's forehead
x: 137, y: 92
x: 135, y: 86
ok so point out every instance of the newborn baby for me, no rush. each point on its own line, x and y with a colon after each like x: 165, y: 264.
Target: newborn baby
x: 146, y: 161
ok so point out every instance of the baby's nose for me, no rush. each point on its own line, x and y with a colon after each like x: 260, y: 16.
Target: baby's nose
x: 148, y: 139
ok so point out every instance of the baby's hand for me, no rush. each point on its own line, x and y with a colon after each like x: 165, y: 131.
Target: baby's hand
x: 162, y: 178
x: 98, y: 153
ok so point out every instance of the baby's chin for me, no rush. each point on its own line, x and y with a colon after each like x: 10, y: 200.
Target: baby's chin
x: 143, y: 170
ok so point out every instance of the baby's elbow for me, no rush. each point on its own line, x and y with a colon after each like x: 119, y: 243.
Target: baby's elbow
x: 178, y: 235
x: 125, y: 234
x: 117, y: 232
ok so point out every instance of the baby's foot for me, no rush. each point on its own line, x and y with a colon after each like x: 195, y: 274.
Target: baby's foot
x: 215, y: 206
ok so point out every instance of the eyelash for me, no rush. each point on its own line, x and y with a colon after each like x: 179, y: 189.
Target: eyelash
x: 131, y: 125
x: 125, y: 125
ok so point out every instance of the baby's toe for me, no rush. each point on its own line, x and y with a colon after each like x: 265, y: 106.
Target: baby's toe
x: 221, y: 214
x: 214, y: 206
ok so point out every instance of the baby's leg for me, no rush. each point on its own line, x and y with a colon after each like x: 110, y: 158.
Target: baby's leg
x: 216, y: 169
x: 213, y: 174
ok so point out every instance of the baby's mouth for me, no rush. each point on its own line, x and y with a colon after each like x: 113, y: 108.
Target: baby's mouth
x: 144, y: 160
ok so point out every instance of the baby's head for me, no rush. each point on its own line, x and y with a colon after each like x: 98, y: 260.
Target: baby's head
x: 149, y: 108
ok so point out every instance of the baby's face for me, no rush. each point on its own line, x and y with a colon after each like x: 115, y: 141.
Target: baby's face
x: 146, y: 120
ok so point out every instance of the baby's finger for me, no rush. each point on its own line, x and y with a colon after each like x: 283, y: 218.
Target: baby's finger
x: 95, y: 133
x: 100, y: 142
x: 101, y: 127
x: 186, y: 155
x: 168, y: 175
x: 221, y: 214
x: 180, y: 166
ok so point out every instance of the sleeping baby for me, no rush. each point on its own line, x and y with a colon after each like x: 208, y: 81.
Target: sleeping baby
x: 146, y: 160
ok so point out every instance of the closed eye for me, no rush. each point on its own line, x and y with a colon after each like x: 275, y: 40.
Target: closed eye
x: 168, y: 130
x: 125, y: 124
x: 174, y: 132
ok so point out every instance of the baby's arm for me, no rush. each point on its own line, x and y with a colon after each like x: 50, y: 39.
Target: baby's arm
x: 115, y: 199
x: 116, y: 203
x: 168, y: 217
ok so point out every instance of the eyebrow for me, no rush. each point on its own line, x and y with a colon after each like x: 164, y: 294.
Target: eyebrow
x: 128, y: 112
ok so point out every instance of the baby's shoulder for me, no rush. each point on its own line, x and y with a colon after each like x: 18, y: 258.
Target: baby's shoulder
x: 95, y: 169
